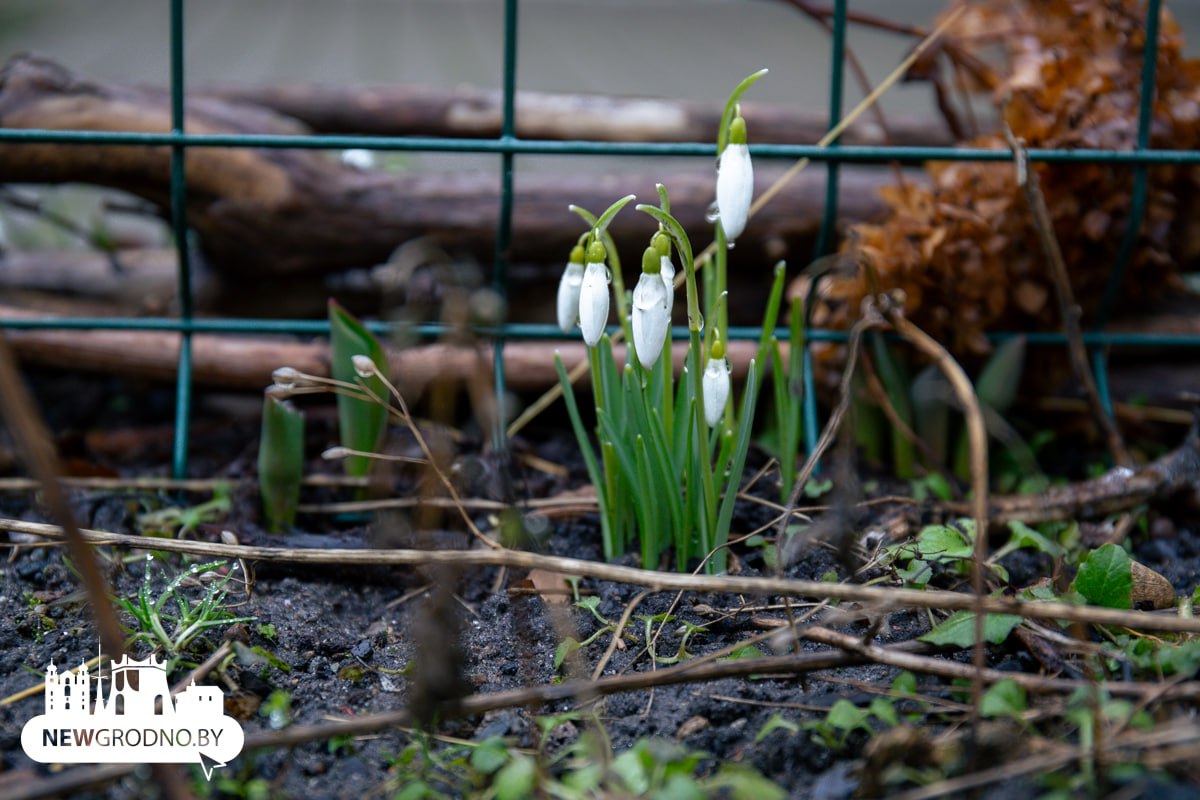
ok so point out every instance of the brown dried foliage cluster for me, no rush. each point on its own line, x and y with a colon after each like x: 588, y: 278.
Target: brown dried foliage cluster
x: 1063, y: 74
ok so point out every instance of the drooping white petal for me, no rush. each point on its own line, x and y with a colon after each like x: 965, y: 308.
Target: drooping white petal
x: 651, y: 318
x: 667, y: 271
x: 568, y: 296
x: 715, y: 386
x: 593, y: 303
x: 735, y: 189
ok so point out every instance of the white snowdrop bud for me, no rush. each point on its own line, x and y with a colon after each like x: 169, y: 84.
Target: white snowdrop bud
x: 286, y: 376
x: 593, y: 295
x: 651, y: 317
x: 336, y: 453
x: 666, y: 269
x: 715, y: 384
x: 568, y: 291
x: 364, y: 367
x: 735, y: 181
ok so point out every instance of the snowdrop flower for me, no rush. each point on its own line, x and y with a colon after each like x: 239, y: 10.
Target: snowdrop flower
x: 593, y: 295
x: 715, y: 383
x: 651, y: 312
x: 568, y: 290
x: 735, y: 181
x: 358, y: 158
x: 666, y: 269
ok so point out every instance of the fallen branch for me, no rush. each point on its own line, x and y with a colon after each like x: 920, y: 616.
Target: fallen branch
x: 1068, y: 309
x: 883, y: 597
x: 471, y: 112
x: 245, y: 362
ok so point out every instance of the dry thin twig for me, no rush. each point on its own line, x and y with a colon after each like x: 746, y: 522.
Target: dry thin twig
x: 884, y: 597
x: 1027, y: 178
x: 977, y: 440
x: 35, y: 444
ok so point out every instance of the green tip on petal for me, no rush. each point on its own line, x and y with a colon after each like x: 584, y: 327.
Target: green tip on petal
x: 596, y: 254
x: 651, y: 261
x: 662, y: 243
x: 577, y: 254
x: 716, y: 349
x: 737, y: 130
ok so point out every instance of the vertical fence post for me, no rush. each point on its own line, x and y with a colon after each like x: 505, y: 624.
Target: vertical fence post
x: 1137, y: 199
x: 825, y: 237
x: 183, y: 377
x: 504, y: 226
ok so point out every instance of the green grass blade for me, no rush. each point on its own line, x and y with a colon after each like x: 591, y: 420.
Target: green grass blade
x: 896, y: 385
x: 589, y: 457
x: 719, y: 561
x: 653, y: 540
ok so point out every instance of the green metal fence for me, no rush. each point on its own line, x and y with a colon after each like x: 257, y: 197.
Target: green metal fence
x: 507, y: 145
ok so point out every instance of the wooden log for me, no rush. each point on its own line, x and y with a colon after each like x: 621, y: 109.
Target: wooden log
x: 471, y: 112
x: 134, y: 281
x: 246, y: 362
x: 274, y: 212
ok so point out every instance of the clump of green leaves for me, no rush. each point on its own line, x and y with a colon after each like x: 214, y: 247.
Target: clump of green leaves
x: 670, y: 455
x: 663, y: 476
x: 925, y: 405
x: 172, y: 621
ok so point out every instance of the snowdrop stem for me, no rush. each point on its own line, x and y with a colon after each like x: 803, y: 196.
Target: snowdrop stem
x: 684, y: 247
x: 720, y: 312
x: 731, y: 108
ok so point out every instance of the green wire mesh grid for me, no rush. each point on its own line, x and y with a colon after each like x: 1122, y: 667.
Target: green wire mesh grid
x: 507, y: 146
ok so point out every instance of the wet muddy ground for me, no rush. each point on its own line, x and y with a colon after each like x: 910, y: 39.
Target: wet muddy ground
x: 331, y: 642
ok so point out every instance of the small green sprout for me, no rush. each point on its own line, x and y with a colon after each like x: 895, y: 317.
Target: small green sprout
x: 361, y: 418
x: 172, y: 622
x: 280, y: 462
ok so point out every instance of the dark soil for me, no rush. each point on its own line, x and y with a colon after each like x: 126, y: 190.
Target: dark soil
x: 343, y: 633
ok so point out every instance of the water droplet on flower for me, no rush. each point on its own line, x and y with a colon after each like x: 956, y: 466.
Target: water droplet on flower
x: 730, y: 245
x: 712, y: 214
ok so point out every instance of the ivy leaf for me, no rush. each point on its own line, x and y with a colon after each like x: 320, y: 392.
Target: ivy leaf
x: 1105, y: 577
x: 1004, y: 699
x: 846, y: 716
x: 745, y: 651
x: 958, y: 629
x: 938, y: 542
x: 564, y: 649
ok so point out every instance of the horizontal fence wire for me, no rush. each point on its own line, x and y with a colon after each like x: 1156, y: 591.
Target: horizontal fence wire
x: 507, y: 145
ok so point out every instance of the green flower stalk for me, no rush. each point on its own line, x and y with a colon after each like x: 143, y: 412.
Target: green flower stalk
x: 651, y: 309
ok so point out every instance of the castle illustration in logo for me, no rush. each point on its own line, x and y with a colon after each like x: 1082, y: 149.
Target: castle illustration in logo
x: 138, y: 689
x: 133, y: 719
